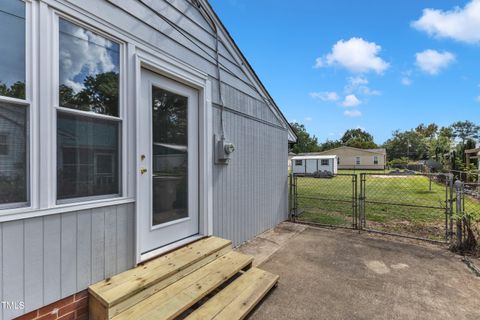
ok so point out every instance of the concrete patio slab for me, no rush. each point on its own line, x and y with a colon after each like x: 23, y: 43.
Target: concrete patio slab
x: 341, y: 274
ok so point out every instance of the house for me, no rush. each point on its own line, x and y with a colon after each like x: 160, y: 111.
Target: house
x: 355, y: 158
x: 127, y: 129
x: 308, y: 165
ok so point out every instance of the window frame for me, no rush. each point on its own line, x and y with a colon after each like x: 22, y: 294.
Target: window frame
x: 323, y: 161
x: 42, y: 98
x: 357, y: 161
x: 29, y: 102
x: 120, y: 120
x: 375, y: 160
x: 297, y: 163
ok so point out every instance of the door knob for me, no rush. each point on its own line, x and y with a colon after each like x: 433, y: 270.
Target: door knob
x: 143, y: 170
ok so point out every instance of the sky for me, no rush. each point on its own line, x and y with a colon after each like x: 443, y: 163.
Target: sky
x: 377, y: 65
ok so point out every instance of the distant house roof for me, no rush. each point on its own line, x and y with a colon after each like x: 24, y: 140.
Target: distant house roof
x: 314, y: 157
x: 381, y: 151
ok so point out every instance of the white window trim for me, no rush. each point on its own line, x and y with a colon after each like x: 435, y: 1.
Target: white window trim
x: 42, y: 19
x: 179, y: 71
x: 91, y: 115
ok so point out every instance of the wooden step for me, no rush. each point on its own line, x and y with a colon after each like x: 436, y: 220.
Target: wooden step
x: 175, y: 299
x: 238, y: 298
x: 118, y: 293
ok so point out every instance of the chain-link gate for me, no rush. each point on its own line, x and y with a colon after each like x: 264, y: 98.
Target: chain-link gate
x: 411, y: 205
x: 328, y: 201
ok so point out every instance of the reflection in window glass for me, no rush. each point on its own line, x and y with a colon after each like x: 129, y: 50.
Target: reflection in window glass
x: 87, y: 157
x: 12, y: 48
x: 89, y: 70
x: 13, y: 145
x: 170, y: 156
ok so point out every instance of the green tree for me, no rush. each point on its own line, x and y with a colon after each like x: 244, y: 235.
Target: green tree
x: 330, y: 144
x: 305, y: 141
x: 358, y: 138
x: 465, y: 131
x: 409, y: 144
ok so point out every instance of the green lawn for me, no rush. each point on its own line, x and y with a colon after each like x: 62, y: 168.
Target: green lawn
x: 401, y: 204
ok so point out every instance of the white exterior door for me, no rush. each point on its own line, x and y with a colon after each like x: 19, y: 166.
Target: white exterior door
x: 168, y: 161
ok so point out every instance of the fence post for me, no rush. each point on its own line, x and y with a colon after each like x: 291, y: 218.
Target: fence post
x: 361, y: 209
x: 450, y: 185
x: 290, y: 196
x: 459, y: 208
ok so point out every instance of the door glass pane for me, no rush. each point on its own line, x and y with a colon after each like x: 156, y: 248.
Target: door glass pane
x: 170, y: 156
x: 12, y: 48
x: 89, y: 70
x: 13, y: 148
x: 87, y: 157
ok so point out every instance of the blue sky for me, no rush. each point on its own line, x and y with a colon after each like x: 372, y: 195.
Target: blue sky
x: 377, y: 65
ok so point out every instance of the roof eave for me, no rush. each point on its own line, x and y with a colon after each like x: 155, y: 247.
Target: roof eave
x: 292, y: 136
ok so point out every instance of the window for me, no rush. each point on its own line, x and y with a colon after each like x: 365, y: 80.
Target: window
x: 12, y: 50
x: 299, y: 162
x: 357, y: 160
x: 375, y: 160
x: 325, y: 162
x: 13, y: 163
x: 338, y: 160
x: 88, y: 123
x: 13, y: 116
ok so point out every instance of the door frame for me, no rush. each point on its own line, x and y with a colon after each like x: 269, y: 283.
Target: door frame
x: 177, y: 70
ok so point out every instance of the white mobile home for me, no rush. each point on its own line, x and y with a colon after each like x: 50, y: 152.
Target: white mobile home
x: 127, y: 128
x: 308, y: 165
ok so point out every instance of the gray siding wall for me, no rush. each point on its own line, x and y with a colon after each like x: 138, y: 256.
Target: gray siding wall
x: 250, y: 193
x: 48, y: 258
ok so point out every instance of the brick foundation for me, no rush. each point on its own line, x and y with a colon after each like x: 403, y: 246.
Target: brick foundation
x: 69, y: 308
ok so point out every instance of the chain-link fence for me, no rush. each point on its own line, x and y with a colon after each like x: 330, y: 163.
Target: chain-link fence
x: 329, y: 201
x: 412, y: 205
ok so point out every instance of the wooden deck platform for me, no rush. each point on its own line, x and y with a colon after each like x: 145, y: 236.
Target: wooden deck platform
x: 203, y: 280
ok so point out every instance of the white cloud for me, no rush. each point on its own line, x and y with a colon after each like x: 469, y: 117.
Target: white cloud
x: 308, y: 119
x: 325, y: 96
x: 359, y: 84
x: 406, y: 81
x: 355, y: 55
x: 354, y: 82
x: 432, y: 61
x: 461, y: 24
x: 351, y: 101
x: 352, y: 113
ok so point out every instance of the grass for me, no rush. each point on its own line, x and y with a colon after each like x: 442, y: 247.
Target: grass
x: 400, y: 204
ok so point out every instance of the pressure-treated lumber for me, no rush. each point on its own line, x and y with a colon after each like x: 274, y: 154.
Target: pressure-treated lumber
x: 238, y: 298
x: 114, y: 295
x: 181, y: 295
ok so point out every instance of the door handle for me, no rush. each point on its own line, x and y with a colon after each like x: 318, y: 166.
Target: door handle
x: 143, y: 170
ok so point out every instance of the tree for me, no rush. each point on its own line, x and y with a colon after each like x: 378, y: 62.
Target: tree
x: 305, y: 142
x: 358, y: 138
x: 442, y: 144
x: 429, y: 132
x: 465, y: 131
x: 409, y: 144
x: 330, y: 144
